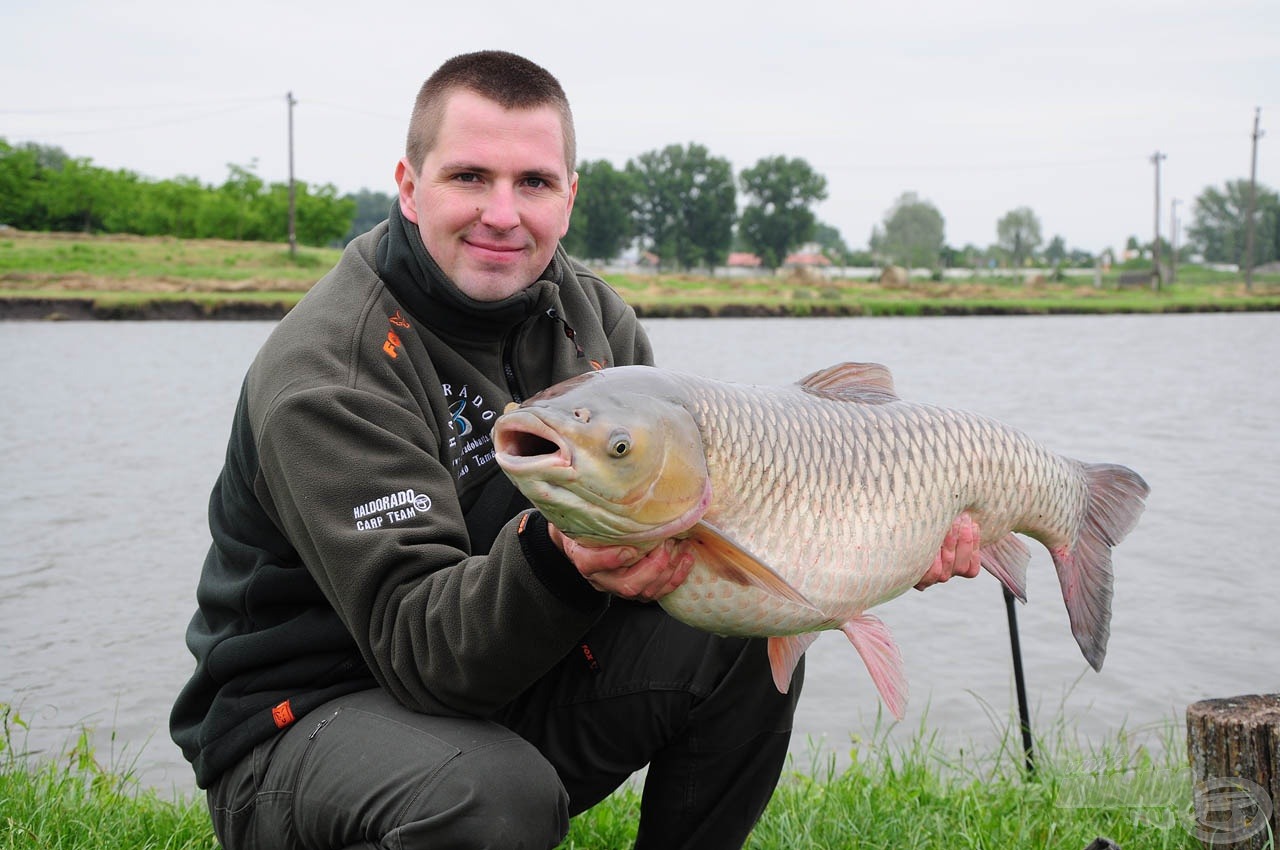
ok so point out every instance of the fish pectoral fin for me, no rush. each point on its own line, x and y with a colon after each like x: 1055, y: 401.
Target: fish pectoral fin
x: 1007, y: 559
x: 880, y: 653
x: 731, y: 562
x: 784, y: 654
x: 869, y: 383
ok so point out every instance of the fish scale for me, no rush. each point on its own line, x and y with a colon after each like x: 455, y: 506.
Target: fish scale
x: 826, y: 498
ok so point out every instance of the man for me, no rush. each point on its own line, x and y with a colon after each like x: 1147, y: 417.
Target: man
x: 390, y: 648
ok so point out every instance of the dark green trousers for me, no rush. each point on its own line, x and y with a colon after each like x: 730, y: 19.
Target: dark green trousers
x: 643, y: 691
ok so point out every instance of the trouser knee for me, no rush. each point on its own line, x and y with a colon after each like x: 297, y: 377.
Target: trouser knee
x: 501, y: 794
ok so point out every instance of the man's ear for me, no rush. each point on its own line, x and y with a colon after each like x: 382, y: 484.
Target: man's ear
x: 573, y: 194
x: 407, y: 180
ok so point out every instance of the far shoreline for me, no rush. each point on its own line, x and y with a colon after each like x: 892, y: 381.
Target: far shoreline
x: 80, y: 308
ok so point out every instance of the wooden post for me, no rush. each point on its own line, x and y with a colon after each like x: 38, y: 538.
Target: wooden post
x: 1234, y: 748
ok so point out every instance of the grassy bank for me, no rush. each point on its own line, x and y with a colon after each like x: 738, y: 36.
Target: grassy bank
x: 914, y: 796
x: 61, y: 275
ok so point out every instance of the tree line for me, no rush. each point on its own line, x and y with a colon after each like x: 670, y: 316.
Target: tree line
x: 680, y: 203
x: 42, y: 188
x: 913, y: 235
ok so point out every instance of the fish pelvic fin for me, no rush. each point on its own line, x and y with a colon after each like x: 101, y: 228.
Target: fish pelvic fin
x: 1117, y: 496
x: 784, y: 654
x: 730, y: 561
x: 871, y: 637
x: 869, y: 383
x: 1007, y: 559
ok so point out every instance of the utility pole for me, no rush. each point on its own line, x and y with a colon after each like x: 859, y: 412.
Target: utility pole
x: 293, y: 234
x: 1173, y: 241
x: 1253, y: 200
x: 1155, y: 246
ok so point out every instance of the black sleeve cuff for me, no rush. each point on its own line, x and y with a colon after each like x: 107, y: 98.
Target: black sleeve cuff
x: 552, y: 568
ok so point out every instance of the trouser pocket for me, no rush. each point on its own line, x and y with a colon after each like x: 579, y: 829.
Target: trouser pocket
x: 233, y: 798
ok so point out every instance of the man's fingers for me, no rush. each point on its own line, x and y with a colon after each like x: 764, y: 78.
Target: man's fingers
x: 968, y: 560
x: 653, y: 576
x: 959, y: 554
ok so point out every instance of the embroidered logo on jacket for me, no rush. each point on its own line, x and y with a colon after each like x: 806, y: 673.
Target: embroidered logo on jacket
x: 392, y: 344
x: 470, y: 419
x: 390, y: 509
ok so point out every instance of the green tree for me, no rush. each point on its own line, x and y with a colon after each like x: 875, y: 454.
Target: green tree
x: 170, y: 207
x: 79, y: 195
x: 832, y: 244
x: 1218, y: 231
x: 1018, y: 233
x: 228, y: 211
x: 1056, y: 251
x: 685, y: 204
x: 602, y: 214
x: 912, y: 234
x: 371, y: 208
x: 21, y: 176
x: 321, y: 217
x: 778, y: 216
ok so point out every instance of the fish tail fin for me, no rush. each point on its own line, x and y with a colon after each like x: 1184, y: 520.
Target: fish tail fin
x: 1117, y: 497
x: 880, y: 653
x: 784, y: 655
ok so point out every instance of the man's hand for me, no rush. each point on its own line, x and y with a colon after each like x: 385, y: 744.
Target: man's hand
x: 959, y: 555
x: 625, y: 571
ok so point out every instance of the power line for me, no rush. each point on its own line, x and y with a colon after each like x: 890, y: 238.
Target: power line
x: 357, y: 111
x: 128, y: 128
x: 79, y: 110
x: 1014, y: 166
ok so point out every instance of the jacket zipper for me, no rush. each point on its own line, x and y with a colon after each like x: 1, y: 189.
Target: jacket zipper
x: 509, y: 367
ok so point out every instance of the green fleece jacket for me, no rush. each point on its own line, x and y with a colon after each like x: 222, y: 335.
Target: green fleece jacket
x: 362, y: 531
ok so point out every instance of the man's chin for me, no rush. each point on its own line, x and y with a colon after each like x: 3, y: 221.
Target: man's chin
x: 493, y: 285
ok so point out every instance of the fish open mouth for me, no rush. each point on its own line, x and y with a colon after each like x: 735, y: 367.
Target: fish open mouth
x: 523, y: 441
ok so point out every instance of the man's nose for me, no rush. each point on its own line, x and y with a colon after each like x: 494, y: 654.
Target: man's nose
x: 500, y: 209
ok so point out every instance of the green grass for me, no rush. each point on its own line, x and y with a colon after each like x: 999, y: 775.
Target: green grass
x: 75, y: 803
x: 125, y: 259
x: 123, y: 276
x: 919, y: 795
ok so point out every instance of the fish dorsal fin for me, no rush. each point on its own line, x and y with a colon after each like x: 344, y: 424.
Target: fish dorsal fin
x: 870, y: 383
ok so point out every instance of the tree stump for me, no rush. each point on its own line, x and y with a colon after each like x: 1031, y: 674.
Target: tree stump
x: 1234, y: 748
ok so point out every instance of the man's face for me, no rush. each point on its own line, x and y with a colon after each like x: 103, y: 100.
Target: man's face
x: 493, y: 196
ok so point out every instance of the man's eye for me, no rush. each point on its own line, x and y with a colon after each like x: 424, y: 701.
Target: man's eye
x: 536, y: 183
x: 467, y: 177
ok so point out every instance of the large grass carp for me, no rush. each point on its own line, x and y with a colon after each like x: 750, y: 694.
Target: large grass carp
x: 811, y: 503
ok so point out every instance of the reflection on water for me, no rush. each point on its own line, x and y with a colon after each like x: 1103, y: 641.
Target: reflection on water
x: 114, y: 432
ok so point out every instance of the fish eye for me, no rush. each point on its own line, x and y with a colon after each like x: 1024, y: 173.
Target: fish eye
x: 619, y: 444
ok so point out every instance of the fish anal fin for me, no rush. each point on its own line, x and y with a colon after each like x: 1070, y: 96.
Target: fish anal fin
x: 731, y: 562
x: 785, y: 654
x: 1007, y: 560
x: 870, y: 383
x: 880, y: 653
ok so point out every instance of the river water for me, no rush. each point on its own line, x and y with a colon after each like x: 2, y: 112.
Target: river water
x: 112, y: 433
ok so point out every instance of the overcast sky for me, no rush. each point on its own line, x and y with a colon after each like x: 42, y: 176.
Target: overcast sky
x: 977, y: 107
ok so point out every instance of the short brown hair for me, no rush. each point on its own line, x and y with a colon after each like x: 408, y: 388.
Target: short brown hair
x: 510, y: 81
